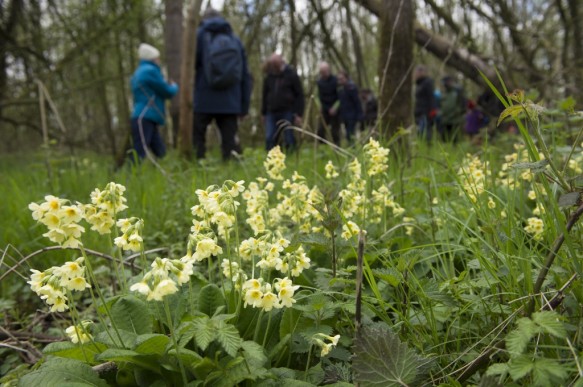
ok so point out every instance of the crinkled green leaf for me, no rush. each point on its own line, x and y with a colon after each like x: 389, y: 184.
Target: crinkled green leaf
x: 381, y: 359
x: 548, y: 372
x: 84, y: 352
x: 209, y: 299
x: 150, y: 362
x: 511, y: 111
x: 131, y: 314
x: 229, y: 338
x: 520, y: 366
x: 518, y: 339
x: 151, y: 344
x: 549, y: 323
x: 204, y: 332
x: 61, y: 372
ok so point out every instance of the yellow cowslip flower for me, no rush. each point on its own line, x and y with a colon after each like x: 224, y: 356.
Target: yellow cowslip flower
x: 270, y: 301
x: 163, y: 288
x: 141, y: 287
x: 79, y: 333
x: 532, y: 195
x: 318, y: 340
x: 491, y: 203
x: 535, y: 227
x: 378, y: 157
x: 330, y: 169
x: 349, y: 230
x: 275, y: 163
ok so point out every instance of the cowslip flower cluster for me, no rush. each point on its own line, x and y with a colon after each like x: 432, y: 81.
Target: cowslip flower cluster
x: 218, y: 206
x: 383, y: 198
x: 514, y: 178
x: 131, y: 238
x: 257, y: 203
x: 331, y: 171
x: 261, y: 295
x: 163, y: 279
x: 378, y: 157
x: 62, y: 220
x: 318, y: 339
x: 472, y: 175
x: 297, y: 202
x: 269, y: 249
x: 535, y: 227
x: 53, y: 284
x: 232, y: 271
x: 349, y: 230
x: 105, y: 206
x: 80, y: 333
x: 275, y: 163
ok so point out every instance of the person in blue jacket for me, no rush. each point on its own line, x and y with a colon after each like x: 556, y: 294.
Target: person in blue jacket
x: 149, y: 91
x: 350, y: 107
x: 222, y: 88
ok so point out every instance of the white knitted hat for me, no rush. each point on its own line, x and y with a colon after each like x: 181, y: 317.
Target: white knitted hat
x: 148, y: 52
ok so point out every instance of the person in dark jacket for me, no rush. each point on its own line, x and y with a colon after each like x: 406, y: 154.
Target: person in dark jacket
x: 149, y: 91
x: 282, y: 103
x: 371, y: 107
x: 453, y: 110
x: 328, y: 95
x: 350, y: 108
x: 425, y: 105
x: 225, y: 105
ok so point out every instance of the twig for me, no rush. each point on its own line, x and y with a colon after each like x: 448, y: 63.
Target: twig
x: 51, y: 248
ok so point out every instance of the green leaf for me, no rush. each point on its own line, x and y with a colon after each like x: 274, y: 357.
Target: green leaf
x: 497, y: 369
x: 511, y: 111
x: 519, y: 367
x: 380, y: 359
x: 569, y: 199
x: 149, y: 362
x: 254, y: 354
x: 209, y: 299
x: 110, y: 339
x: 84, y: 352
x: 289, y: 322
x: 549, y: 323
x: 131, y: 314
x: 276, y: 351
x: 548, y: 372
x: 204, y: 332
x: 151, y: 344
x: 235, y: 371
x: 62, y: 372
x: 517, y: 340
x: 537, y: 166
x: 229, y: 338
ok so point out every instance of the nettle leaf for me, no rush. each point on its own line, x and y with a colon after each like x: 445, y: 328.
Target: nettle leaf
x: 151, y: 344
x: 548, y: 372
x: 518, y: 339
x: 497, y: 369
x: 204, y: 332
x: 520, y: 366
x: 254, y: 354
x: 131, y: 314
x: 549, y: 323
x: 111, y: 339
x: 83, y: 352
x: 381, y: 359
x: 59, y: 372
x: 229, y: 338
x: 209, y: 299
x: 537, y: 166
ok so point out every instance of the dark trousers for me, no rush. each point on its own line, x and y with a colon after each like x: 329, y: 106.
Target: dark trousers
x: 277, y: 123
x: 227, y: 124
x: 145, y: 134
x: 333, y: 123
x: 350, y: 127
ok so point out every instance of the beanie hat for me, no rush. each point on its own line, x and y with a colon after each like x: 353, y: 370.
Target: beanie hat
x: 148, y: 52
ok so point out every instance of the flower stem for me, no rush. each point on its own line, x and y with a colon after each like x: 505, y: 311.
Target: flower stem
x: 172, y: 333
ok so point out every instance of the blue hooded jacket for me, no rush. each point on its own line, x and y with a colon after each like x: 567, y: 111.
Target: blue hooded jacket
x: 150, y: 90
x: 350, y: 104
x: 232, y: 100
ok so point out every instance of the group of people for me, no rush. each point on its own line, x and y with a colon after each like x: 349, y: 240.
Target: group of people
x: 223, y: 90
x: 447, y: 111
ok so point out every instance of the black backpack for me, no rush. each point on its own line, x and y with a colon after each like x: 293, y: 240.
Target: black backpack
x: 223, y: 64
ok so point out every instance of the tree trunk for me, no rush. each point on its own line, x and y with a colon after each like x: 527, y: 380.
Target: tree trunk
x: 187, y: 78
x: 460, y: 58
x: 576, y: 11
x: 172, y: 43
x: 395, y: 65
